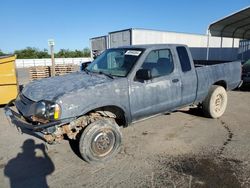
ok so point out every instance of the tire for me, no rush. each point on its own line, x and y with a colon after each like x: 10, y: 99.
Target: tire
x: 215, y: 103
x: 100, y: 141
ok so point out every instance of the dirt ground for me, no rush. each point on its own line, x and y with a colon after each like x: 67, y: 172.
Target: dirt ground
x: 181, y: 149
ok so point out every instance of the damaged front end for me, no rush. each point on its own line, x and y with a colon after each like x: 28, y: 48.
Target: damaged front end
x: 33, y: 126
x: 41, y: 119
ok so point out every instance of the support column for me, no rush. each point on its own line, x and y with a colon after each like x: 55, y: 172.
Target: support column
x: 208, y: 38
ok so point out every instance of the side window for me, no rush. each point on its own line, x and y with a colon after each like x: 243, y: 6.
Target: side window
x: 160, y: 62
x: 184, y: 59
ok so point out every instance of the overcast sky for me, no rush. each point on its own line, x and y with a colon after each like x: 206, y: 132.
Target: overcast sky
x: 72, y: 22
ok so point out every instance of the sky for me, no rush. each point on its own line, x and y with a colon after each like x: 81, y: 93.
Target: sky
x: 71, y: 23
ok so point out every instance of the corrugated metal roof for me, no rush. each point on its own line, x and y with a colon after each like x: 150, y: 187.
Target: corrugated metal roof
x: 236, y: 25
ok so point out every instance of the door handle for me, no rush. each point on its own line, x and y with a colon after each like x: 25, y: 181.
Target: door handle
x: 175, y: 80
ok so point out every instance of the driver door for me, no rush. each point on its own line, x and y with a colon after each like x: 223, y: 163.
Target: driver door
x: 159, y: 94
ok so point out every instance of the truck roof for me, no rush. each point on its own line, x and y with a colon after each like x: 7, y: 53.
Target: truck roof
x: 153, y: 46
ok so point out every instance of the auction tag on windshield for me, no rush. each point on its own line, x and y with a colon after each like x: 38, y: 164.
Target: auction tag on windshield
x: 133, y: 52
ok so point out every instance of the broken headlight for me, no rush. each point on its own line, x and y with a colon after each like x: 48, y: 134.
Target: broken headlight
x: 47, y: 110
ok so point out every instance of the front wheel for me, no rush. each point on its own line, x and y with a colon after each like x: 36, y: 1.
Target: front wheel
x: 215, y: 103
x: 100, y: 141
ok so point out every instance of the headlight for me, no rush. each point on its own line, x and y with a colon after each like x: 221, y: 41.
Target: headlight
x: 40, y: 109
x: 47, y: 110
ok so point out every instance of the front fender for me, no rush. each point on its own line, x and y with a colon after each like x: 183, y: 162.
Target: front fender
x: 92, y: 107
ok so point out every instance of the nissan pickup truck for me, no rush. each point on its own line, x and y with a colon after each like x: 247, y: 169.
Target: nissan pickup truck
x: 121, y: 86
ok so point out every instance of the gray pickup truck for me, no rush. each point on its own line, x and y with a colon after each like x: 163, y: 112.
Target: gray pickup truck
x: 123, y: 85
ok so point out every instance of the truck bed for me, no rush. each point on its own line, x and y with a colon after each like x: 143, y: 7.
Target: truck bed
x: 228, y: 73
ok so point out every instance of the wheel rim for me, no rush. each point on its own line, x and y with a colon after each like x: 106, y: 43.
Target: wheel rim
x: 103, y: 143
x: 219, y: 102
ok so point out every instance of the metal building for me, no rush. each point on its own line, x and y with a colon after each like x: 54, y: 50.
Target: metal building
x: 98, y: 45
x: 220, y: 51
x: 236, y: 25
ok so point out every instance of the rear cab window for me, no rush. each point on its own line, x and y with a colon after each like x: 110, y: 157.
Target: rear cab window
x: 184, y: 59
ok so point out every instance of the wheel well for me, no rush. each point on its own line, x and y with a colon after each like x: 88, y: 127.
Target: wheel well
x: 118, y: 112
x: 222, y: 83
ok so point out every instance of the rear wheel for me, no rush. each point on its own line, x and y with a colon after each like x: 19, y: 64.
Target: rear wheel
x: 100, y: 141
x: 215, y: 103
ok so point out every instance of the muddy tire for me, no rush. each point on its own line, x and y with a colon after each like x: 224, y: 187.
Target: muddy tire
x: 215, y: 103
x: 100, y: 141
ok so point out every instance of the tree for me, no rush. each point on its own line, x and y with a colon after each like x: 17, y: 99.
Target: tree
x: 1, y: 53
x: 78, y: 53
x: 35, y: 53
x: 31, y: 53
x: 43, y: 54
x: 86, y: 52
x: 66, y: 53
x: 63, y: 53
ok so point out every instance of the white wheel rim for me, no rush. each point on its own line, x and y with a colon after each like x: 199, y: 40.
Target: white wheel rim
x: 219, y: 103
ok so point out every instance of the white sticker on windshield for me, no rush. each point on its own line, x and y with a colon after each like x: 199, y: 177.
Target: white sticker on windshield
x: 133, y: 52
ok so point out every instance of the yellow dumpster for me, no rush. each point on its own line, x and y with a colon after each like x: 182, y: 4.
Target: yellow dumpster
x: 8, y: 79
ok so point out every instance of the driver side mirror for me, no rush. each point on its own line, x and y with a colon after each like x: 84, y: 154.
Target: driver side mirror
x: 84, y: 65
x: 144, y: 74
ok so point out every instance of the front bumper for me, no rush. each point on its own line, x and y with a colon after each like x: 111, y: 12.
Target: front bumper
x: 18, y: 120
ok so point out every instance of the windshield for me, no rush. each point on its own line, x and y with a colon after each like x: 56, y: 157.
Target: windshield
x: 115, y: 62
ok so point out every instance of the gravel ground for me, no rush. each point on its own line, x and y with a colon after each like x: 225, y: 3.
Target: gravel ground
x: 181, y: 149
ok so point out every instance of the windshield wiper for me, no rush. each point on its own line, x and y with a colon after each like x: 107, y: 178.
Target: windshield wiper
x: 106, y: 74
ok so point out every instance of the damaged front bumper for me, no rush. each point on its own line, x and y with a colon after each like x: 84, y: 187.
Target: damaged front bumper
x: 51, y: 132
x: 32, y: 129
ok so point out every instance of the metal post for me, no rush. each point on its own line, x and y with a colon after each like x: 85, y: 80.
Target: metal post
x: 221, y: 42
x: 51, y: 44
x: 232, y: 54
x: 52, y: 60
x: 208, y: 37
x: 221, y: 49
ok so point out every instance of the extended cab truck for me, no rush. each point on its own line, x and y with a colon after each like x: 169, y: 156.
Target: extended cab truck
x: 121, y: 86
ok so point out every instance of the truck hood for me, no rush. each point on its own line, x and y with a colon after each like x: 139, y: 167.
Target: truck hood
x: 50, y: 88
